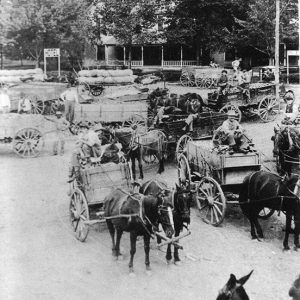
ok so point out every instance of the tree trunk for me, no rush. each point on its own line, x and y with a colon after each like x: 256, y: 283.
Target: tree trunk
x: 277, y: 20
x: 129, y: 56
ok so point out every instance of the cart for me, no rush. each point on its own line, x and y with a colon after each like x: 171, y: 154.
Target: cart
x: 86, y: 197
x: 203, y: 128
x: 258, y: 100
x: 24, y: 131
x: 214, y: 176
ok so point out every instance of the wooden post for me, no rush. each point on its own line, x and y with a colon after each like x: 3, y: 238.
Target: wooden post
x: 142, y: 55
x: 181, y: 55
x: 124, y: 55
x: 277, y: 20
x: 299, y: 38
x: 287, y: 69
x: 58, y: 65
x: 162, y: 56
x: 45, y: 67
x: 106, y: 55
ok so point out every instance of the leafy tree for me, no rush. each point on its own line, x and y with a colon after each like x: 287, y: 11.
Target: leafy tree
x: 129, y: 21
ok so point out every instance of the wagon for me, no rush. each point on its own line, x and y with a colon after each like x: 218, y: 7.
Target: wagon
x: 261, y: 101
x: 203, y: 128
x: 214, y: 176
x: 24, y: 132
x: 86, y: 197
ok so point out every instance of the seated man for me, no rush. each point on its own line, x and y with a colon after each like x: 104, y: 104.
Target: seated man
x: 223, y: 83
x: 193, y: 108
x: 233, y: 133
x: 24, y: 105
x: 243, y: 83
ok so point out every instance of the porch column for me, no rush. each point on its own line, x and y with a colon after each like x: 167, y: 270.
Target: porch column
x: 181, y: 55
x: 96, y: 52
x: 287, y: 69
x: 162, y: 56
x: 106, y: 55
x: 124, y: 55
x: 142, y: 48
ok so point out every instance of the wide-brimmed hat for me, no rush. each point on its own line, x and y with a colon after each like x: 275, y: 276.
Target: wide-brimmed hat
x: 58, y: 113
x: 231, y: 113
x: 98, y: 127
x: 224, y: 71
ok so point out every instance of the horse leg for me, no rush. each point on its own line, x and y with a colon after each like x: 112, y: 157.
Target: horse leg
x: 176, y: 250
x: 133, y: 238
x: 119, y: 236
x: 258, y: 228
x: 147, y: 250
x: 169, y: 254
x: 296, y: 234
x: 139, y: 159
x: 132, y: 158
x: 288, y: 228
x: 111, y: 230
x: 161, y: 164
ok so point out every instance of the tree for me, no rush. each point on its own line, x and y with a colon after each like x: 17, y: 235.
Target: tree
x: 129, y: 21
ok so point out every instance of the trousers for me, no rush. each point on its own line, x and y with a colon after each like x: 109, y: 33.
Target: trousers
x: 69, y: 110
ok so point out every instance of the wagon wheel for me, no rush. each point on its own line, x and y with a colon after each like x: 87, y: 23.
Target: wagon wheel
x: 27, y: 142
x: 185, y: 79
x: 137, y: 121
x: 83, y: 88
x: 37, y: 106
x: 266, y: 213
x: 97, y: 90
x: 199, y: 81
x: 79, y: 213
x: 211, y: 201
x: 268, y: 108
x: 181, y: 144
x: 207, y: 83
x: 229, y: 107
x: 184, y: 171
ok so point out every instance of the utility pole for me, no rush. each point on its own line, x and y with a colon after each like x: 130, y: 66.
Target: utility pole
x: 277, y: 20
x: 299, y: 38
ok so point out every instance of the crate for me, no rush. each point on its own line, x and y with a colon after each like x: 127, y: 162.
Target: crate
x: 98, y: 181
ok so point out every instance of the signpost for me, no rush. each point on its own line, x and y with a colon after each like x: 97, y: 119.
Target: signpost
x: 51, y: 52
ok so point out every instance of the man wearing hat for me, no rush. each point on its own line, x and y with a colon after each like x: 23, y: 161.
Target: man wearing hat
x: 4, y: 100
x: 61, y: 125
x: 70, y: 97
x: 222, y: 83
x: 233, y: 133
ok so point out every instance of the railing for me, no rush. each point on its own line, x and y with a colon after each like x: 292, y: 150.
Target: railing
x: 178, y: 63
x: 134, y: 63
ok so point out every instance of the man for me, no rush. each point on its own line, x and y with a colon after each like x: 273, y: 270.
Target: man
x: 24, y: 106
x: 243, y: 83
x: 194, y: 107
x: 70, y: 97
x: 222, y: 83
x: 232, y: 134
x: 291, y: 109
x: 236, y: 63
x: 4, y: 101
x: 61, y: 125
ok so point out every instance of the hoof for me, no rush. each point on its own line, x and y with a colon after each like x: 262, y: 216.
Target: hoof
x: 148, y: 271
x: 286, y: 248
x: 177, y: 262
x: 169, y: 261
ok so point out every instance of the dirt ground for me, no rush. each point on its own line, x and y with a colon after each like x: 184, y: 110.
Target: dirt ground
x: 41, y: 259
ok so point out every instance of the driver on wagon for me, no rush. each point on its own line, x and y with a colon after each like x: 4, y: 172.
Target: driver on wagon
x: 232, y: 134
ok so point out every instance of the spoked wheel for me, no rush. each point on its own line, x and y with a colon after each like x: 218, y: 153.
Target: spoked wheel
x: 211, y: 201
x: 268, y: 108
x: 207, y: 83
x: 137, y: 121
x: 28, y: 142
x: 83, y: 88
x: 181, y: 145
x: 37, y: 106
x: 198, y: 81
x: 97, y: 90
x: 266, y: 213
x: 79, y: 214
x: 184, y: 171
x: 185, y: 79
x: 228, y: 107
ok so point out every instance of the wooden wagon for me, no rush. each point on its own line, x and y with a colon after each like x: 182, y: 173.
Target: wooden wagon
x: 215, y: 176
x: 259, y: 99
x: 87, y: 196
x: 203, y: 128
x: 24, y: 131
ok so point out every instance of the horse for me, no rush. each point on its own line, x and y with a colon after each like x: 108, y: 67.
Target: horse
x: 294, y: 291
x: 264, y: 189
x: 234, y: 289
x: 286, y: 149
x: 139, y: 215
x: 180, y: 200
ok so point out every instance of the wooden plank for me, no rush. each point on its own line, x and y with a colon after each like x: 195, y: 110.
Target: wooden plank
x: 239, y: 160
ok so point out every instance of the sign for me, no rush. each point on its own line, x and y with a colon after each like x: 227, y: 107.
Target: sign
x: 52, y: 52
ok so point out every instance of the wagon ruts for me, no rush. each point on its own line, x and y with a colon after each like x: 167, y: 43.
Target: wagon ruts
x: 214, y: 176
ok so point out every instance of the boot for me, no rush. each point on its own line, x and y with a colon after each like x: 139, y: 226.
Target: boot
x: 230, y: 151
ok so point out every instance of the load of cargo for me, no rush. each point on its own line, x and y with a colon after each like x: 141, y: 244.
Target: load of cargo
x: 106, y: 76
x: 15, y: 76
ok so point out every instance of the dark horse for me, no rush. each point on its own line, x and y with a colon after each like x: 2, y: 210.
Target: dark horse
x: 180, y: 200
x: 286, y: 149
x: 139, y: 215
x: 131, y: 149
x: 234, y: 289
x: 264, y: 189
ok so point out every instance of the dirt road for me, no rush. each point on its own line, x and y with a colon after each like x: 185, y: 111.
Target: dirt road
x: 40, y: 258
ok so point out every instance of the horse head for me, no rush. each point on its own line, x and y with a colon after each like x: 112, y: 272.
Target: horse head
x: 234, y: 289
x: 281, y: 141
x: 182, y: 203
x: 294, y: 291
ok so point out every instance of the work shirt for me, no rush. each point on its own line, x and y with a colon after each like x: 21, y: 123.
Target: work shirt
x: 291, y: 112
x: 70, y: 95
x: 235, y: 64
x: 223, y: 80
x: 92, y: 138
x: 24, y: 105
x: 4, y: 102
x: 230, y: 125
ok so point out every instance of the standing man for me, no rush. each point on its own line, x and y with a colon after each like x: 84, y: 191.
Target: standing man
x: 70, y: 97
x: 61, y: 125
x: 236, y: 63
x: 4, y: 101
